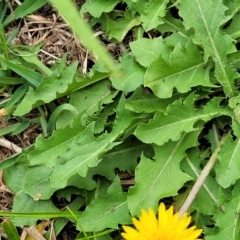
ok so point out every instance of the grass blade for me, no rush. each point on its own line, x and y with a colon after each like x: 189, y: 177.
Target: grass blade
x: 83, y: 31
x: 32, y: 77
x: 10, y: 230
x: 27, y: 7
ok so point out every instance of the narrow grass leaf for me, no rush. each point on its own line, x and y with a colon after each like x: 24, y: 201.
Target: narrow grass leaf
x: 27, y: 7
x: 22, y: 127
x: 32, y: 77
x: 9, y: 129
x: 78, y: 223
x: 60, y: 223
x: 11, y: 80
x: 40, y: 215
x: 55, y: 114
x: 31, y: 56
x: 23, y: 203
x: 10, y: 230
x: 83, y: 31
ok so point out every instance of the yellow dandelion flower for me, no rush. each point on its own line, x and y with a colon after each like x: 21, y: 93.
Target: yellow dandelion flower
x: 168, y: 226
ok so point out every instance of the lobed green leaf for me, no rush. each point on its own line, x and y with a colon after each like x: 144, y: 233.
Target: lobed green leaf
x: 228, y: 169
x: 107, y: 212
x: 49, y: 89
x: 183, y: 70
x: 129, y: 76
x: 156, y: 179
x: 210, y: 15
x: 180, y: 118
x: 228, y: 221
x: 98, y: 7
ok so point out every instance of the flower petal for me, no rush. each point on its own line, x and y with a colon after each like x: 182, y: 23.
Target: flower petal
x: 168, y: 226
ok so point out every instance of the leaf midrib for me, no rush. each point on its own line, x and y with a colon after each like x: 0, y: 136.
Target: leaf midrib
x: 179, y: 122
x: 219, y: 62
x: 180, y: 72
x: 64, y: 143
x: 95, y: 155
x: 231, y: 159
x: 155, y: 15
x: 107, y: 212
x: 162, y: 169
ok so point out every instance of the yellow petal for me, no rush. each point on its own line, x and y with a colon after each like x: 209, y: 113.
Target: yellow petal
x: 168, y: 226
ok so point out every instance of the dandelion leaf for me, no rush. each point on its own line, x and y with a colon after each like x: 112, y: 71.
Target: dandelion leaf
x: 87, y: 150
x: 147, y: 50
x: 153, y: 13
x: 228, y: 168
x: 171, y: 24
x: 227, y: 222
x: 129, y: 76
x: 210, y: 16
x: 48, y: 150
x: 92, y: 98
x: 180, y: 117
x: 49, y: 89
x: 23, y: 203
x: 143, y: 100
x: 14, y: 177
x: 183, y: 71
x: 234, y: 28
x: 160, y: 177
x: 97, y: 7
x: 107, y: 212
x: 232, y: 7
x: 119, y: 27
x: 37, y: 185
x: 21, y: 178
x: 86, y: 183
x: 123, y: 157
